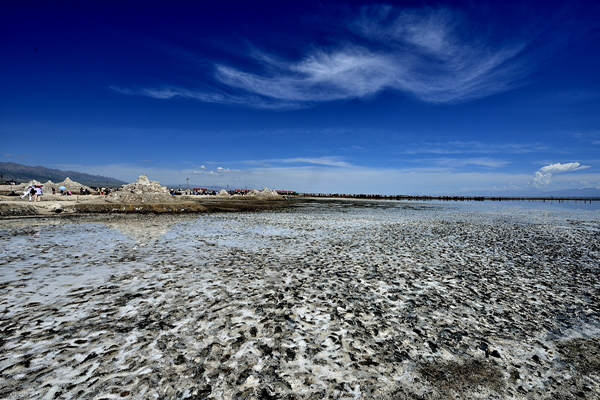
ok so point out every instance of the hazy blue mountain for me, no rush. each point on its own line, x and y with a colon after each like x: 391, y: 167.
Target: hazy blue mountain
x: 24, y: 173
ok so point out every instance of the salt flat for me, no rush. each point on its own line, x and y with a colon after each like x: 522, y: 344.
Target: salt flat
x: 328, y: 299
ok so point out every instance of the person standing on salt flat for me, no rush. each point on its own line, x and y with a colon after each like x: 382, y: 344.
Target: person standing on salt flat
x: 38, y: 193
x: 27, y: 192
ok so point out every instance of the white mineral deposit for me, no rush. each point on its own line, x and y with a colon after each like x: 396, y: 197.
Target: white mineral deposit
x: 341, y: 300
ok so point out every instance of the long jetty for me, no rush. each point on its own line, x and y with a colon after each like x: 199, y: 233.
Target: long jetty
x: 446, y: 198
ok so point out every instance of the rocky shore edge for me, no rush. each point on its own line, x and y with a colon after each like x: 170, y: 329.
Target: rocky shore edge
x: 9, y: 209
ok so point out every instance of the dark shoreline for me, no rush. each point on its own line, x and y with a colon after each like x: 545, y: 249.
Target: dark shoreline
x: 443, y: 198
x: 44, y: 209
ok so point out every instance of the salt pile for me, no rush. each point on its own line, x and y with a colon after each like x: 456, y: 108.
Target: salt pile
x: 143, y: 186
x: 269, y: 193
x: 32, y: 182
x: 71, y: 185
x: 142, y: 190
x: 265, y: 194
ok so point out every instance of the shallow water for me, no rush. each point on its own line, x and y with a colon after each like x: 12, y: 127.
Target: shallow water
x: 331, y: 299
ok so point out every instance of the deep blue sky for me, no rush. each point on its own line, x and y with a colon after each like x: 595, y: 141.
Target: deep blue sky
x: 405, y: 97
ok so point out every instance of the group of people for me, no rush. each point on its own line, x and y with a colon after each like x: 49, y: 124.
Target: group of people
x: 35, y: 193
x: 102, y: 191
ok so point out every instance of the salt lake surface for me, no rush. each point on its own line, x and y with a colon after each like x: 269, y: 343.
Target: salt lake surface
x: 328, y: 299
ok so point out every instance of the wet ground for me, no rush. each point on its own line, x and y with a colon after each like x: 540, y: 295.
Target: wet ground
x: 343, y: 299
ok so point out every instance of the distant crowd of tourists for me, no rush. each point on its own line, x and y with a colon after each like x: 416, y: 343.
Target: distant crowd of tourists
x: 35, y: 192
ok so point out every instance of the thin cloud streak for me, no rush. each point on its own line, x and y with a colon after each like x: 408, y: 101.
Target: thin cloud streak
x: 166, y: 93
x: 467, y: 162
x: 322, y: 161
x: 472, y: 147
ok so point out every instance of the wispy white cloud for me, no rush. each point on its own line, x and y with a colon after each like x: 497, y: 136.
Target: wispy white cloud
x: 351, y: 72
x: 419, y: 52
x: 427, y: 164
x: 589, y: 136
x: 468, y: 162
x: 202, y: 170
x: 471, y: 147
x: 544, y: 175
x: 323, y: 161
x: 171, y: 92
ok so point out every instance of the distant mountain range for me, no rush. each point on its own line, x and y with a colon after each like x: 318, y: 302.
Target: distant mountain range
x: 24, y: 173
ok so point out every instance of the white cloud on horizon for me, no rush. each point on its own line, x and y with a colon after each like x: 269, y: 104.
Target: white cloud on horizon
x: 544, y: 175
x: 418, y: 52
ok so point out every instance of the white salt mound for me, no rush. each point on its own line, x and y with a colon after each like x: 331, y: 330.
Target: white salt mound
x: 144, y: 185
x: 142, y: 190
x: 32, y: 182
x: 270, y: 193
x: 70, y: 185
x: 265, y: 194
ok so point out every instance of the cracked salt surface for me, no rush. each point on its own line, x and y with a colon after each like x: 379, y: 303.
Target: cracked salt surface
x: 330, y: 299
